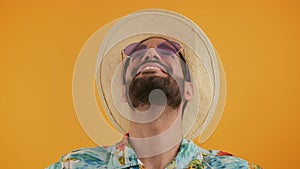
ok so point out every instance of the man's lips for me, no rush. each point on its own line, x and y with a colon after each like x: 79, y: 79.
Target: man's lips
x: 151, y: 67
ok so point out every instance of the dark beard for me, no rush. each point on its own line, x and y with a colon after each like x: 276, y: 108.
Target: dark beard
x: 140, y: 88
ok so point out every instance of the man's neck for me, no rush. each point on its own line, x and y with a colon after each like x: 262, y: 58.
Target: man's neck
x: 162, y: 160
x: 157, y: 143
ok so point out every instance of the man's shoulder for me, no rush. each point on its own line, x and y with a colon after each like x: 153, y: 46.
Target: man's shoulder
x: 95, y: 157
x: 222, y: 159
x: 99, y: 153
x: 199, y: 157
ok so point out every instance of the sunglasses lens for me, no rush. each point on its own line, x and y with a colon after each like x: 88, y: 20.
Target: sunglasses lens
x: 167, y: 48
x: 130, y: 49
x: 176, y: 45
x: 164, y: 52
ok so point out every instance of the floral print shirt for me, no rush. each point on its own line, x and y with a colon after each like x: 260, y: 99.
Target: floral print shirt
x: 122, y: 156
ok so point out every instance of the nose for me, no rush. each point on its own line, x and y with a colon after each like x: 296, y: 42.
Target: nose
x: 151, y: 54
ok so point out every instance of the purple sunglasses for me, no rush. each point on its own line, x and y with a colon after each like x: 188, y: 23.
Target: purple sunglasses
x: 166, y: 48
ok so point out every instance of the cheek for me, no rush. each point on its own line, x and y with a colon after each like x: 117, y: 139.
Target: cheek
x: 180, y: 65
x: 128, y: 75
x: 176, y: 66
x: 132, y: 65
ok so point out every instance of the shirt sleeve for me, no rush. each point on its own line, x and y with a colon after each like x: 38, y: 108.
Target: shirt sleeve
x: 221, y: 159
x: 87, y: 158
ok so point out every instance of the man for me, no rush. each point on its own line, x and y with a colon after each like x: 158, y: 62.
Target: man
x: 156, y: 66
x: 160, y: 84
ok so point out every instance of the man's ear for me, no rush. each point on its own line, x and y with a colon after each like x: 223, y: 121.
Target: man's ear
x: 124, y: 98
x: 189, y: 91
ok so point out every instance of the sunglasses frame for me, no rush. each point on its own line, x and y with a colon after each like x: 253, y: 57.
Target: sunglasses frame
x: 174, y: 44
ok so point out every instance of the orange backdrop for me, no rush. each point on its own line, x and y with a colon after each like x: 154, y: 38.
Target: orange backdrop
x: 258, y: 42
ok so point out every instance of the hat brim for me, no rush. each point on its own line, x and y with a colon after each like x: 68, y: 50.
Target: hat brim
x: 200, y: 56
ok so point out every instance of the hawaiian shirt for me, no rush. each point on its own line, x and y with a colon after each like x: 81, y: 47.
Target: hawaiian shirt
x: 122, y: 156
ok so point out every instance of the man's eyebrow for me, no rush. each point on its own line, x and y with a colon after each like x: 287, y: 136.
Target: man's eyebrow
x: 140, y: 46
x: 167, y: 46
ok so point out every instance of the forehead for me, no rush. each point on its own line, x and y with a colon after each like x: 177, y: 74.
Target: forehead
x: 152, y: 42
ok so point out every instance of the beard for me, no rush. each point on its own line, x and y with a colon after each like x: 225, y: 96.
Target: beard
x: 140, y: 88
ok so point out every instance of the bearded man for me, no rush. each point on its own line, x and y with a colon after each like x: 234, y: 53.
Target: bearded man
x: 158, y: 78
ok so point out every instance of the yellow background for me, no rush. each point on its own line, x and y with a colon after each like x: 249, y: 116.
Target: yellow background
x: 258, y: 42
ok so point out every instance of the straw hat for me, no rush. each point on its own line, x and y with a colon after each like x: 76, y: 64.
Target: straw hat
x: 203, y: 112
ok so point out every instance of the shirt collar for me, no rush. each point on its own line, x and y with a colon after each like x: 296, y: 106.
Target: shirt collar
x: 123, y: 156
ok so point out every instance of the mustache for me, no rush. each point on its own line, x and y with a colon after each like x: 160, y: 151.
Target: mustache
x: 167, y: 68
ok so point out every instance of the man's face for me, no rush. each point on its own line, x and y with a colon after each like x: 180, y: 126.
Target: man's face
x: 154, y: 70
x: 153, y: 64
